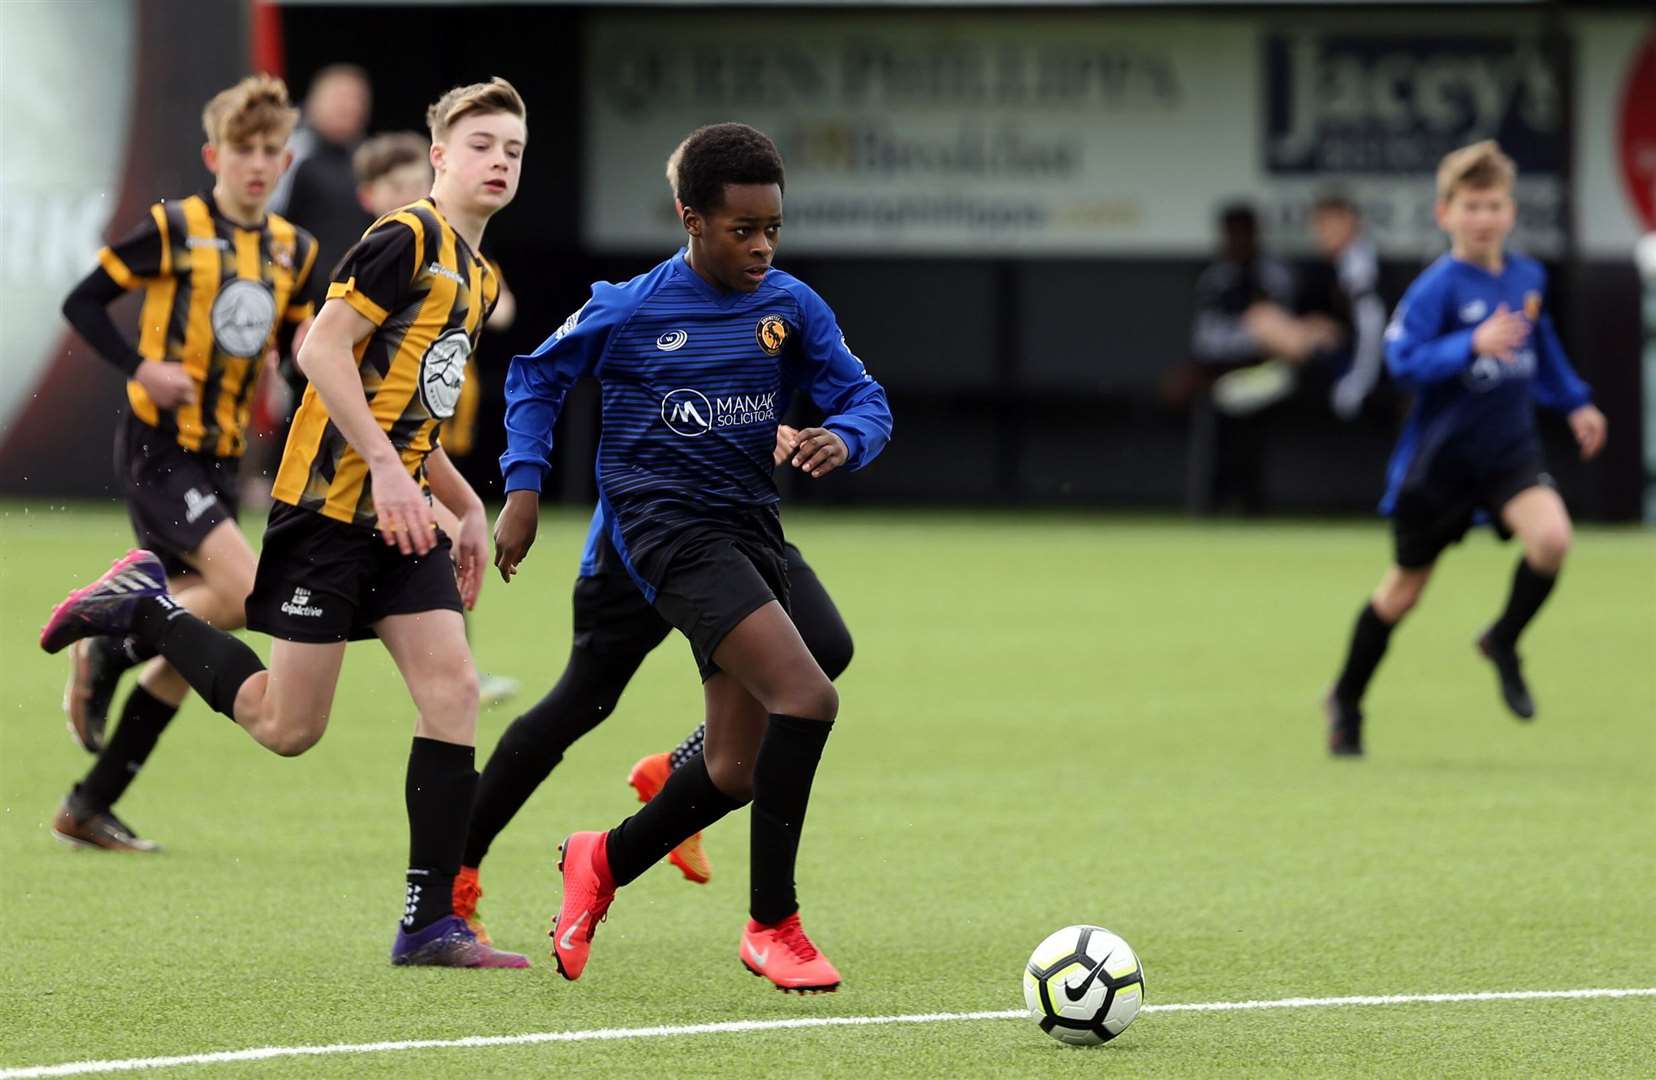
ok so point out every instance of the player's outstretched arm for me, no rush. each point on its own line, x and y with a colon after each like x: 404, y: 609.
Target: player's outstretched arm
x: 328, y: 360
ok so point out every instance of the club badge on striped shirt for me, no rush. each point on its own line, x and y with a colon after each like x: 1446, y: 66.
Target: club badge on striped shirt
x: 772, y: 333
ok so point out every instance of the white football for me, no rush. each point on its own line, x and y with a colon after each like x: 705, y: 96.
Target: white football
x: 1084, y: 985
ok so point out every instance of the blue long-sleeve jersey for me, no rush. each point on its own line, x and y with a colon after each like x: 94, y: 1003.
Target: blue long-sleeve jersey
x: 1473, y: 411
x: 693, y: 381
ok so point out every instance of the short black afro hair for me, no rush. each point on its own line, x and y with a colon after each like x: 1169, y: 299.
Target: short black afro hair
x: 721, y: 154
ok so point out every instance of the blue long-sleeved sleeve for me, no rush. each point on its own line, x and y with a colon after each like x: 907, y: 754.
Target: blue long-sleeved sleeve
x: 1556, y: 386
x: 1418, y: 351
x: 537, y: 382
x: 840, y: 386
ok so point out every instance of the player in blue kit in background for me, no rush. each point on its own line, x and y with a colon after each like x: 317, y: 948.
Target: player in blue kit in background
x: 692, y: 358
x: 1472, y: 341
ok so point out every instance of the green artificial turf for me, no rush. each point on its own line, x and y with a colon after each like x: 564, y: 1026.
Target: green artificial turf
x: 1049, y: 720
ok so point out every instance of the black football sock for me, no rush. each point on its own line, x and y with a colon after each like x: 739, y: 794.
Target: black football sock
x: 439, y: 790
x: 534, y: 743
x: 143, y: 719
x: 135, y: 651
x: 1530, y: 589
x: 1368, y: 644
x: 689, y: 748
x: 782, y: 775
x: 214, y: 663
x: 118, y: 654
x: 687, y: 803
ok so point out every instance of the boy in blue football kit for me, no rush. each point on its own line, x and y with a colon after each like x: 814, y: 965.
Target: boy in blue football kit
x: 1471, y: 340
x: 615, y: 628
x: 693, y: 358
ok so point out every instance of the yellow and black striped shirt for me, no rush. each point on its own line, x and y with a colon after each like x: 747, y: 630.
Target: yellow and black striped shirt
x: 214, y: 293
x: 427, y: 294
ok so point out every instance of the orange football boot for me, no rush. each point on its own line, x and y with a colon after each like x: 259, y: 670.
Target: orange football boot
x: 467, y: 892
x: 588, y: 891
x: 783, y: 954
x: 647, y: 778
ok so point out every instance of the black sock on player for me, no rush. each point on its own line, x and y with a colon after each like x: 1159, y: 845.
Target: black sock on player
x: 116, y: 654
x: 1530, y: 589
x: 1369, y: 639
x: 143, y: 719
x: 782, y: 776
x: 214, y: 663
x: 688, y: 803
x: 438, y: 792
x: 534, y: 743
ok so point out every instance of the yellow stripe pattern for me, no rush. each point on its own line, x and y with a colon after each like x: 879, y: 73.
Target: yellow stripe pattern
x: 202, y: 253
x: 451, y: 289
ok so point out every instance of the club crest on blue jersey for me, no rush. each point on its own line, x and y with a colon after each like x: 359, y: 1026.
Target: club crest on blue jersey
x: 772, y: 333
x: 1532, y: 305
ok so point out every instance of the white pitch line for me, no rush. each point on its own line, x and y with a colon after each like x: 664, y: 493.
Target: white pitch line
x: 262, y: 1053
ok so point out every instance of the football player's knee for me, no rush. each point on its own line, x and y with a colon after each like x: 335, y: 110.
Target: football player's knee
x: 733, y: 778
x: 232, y: 605
x: 832, y: 651
x: 296, y: 740
x: 1396, y: 600
x: 817, y: 700
x: 455, y: 695
x: 1548, y: 548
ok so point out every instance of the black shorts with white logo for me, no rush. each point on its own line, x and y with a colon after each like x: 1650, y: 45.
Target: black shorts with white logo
x: 717, y: 573
x: 323, y: 581
x: 175, y: 497
x: 1445, y: 503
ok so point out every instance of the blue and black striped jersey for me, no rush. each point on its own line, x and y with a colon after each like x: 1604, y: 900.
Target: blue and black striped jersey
x: 694, y: 380
x: 1478, y: 411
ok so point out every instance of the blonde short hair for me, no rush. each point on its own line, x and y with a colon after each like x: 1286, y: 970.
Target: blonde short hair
x: 1479, y: 166
x: 257, y: 105
x: 495, y: 96
x: 387, y: 153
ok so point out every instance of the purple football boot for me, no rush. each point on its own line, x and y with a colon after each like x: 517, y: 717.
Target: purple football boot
x: 105, y: 606
x: 449, y: 942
